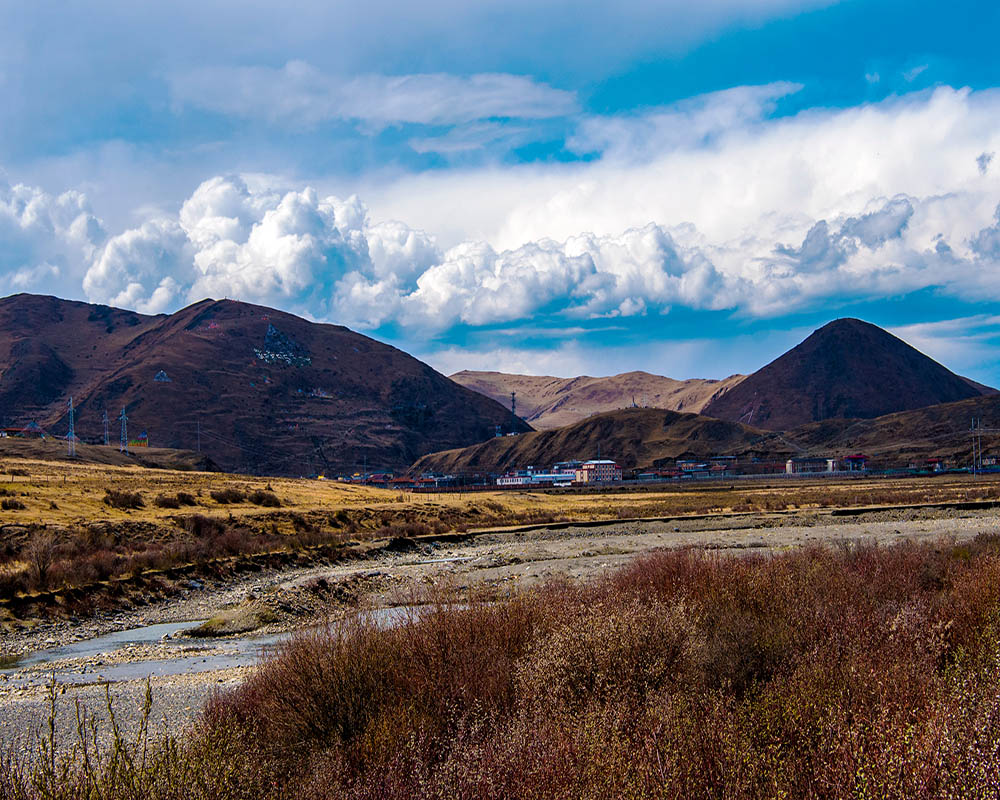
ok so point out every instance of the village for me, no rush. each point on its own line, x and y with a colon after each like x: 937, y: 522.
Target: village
x: 599, y: 472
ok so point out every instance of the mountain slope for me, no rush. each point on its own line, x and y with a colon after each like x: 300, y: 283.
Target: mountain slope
x: 846, y: 369
x: 548, y: 402
x: 635, y: 437
x: 266, y: 391
x: 940, y: 431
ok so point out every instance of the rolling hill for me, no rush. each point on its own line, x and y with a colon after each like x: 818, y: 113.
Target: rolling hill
x: 635, y: 437
x: 263, y: 391
x: 846, y: 369
x: 548, y: 402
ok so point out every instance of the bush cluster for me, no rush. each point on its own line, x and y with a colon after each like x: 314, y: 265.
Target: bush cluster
x: 823, y: 673
x: 228, y: 495
x: 118, y: 498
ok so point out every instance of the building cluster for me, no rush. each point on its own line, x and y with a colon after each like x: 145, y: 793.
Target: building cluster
x: 565, y: 473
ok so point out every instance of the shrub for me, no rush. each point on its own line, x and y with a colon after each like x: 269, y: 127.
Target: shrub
x: 10, y: 504
x: 263, y: 497
x: 166, y: 501
x: 186, y: 499
x: 123, y: 500
x: 228, y: 495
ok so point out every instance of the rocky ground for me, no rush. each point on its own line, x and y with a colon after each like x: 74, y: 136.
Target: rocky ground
x: 490, y: 565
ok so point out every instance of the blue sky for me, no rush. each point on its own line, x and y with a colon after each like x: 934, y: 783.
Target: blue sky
x: 557, y: 188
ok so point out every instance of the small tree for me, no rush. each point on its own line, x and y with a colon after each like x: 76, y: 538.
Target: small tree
x: 40, y: 555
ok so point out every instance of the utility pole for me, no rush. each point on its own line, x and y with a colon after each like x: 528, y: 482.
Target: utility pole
x: 124, y: 439
x: 107, y: 440
x: 71, y: 438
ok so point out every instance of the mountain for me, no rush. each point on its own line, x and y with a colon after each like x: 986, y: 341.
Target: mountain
x: 547, y: 402
x: 634, y: 437
x: 939, y: 431
x: 263, y: 391
x: 846, y: 369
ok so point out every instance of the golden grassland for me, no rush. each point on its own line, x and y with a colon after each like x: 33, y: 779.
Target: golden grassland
x: 66, y: 494
x: 64, y: 546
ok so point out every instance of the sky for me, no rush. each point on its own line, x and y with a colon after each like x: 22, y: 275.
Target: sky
x: 540, y: 187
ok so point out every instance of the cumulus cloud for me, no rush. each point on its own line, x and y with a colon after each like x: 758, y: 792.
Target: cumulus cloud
x: 298, y: 94
x: 45, y: 240
x: 760, y: 217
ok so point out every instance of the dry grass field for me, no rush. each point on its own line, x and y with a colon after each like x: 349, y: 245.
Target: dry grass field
x: 74, y: 534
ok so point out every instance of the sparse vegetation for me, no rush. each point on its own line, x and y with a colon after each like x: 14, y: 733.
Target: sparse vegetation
x: 10, y: 504
x: 228, y: 495
x: 124, y: 500
x: 166, y: 501
x: 853, y: 672
x: 264, y: 497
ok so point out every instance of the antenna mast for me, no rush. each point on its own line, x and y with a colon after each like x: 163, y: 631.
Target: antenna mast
x: 124, y: 440
x: 513, y: 404
x: 71, y: 437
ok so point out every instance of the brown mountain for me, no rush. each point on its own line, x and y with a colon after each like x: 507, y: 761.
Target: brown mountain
x: 846, y: 369
x: 266, y: 391
x: 634, y: 437
x: 548, y: 402
x: 939, y: 431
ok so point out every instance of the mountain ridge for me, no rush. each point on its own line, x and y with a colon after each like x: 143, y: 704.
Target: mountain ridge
x: 262, y: 390
x: 546, y: 401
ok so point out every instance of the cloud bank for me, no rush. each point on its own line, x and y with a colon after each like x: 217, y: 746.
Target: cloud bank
x: 712, y: 205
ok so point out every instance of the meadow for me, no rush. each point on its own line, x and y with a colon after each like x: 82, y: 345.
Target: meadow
x: 859, y: 671
x: 75, y: 535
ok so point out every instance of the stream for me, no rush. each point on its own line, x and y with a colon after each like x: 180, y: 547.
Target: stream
x: 189, y: 656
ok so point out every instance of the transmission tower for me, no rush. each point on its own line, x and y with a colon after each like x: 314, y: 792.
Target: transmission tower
x: 513, y: 404
x: 107, y: 441
x: 977, y: 430
x: 71, y: 437
x: 124, y: 441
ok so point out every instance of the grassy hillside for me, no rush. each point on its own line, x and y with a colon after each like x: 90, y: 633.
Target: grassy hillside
x: 635, y: 437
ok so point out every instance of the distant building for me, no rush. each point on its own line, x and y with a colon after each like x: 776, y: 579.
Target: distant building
x: 598, y: 471
x: 805, y: 465
x: 567, y: 467
x: 855, y: 463
x: 142, y: 440
x: 30, y: 431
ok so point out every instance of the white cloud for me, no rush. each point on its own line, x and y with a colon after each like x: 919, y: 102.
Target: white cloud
x: 46, y: 240
x: 690, y: 123
x: 737, y: 212
x: 300, y: 94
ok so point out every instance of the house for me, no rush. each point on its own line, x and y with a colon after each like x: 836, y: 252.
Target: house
x: 855, y: 463
x: 599, y: 470
x: 30, y: 431
x: 803, y: 465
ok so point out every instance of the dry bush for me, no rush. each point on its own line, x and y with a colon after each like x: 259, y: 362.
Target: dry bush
x: 264, y: 497
x: 186, y: 499
x: 117, y: 498
x: 850, y: 672
x: 227, y: 495
x: 10, y: 504
x: 166, y: 501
